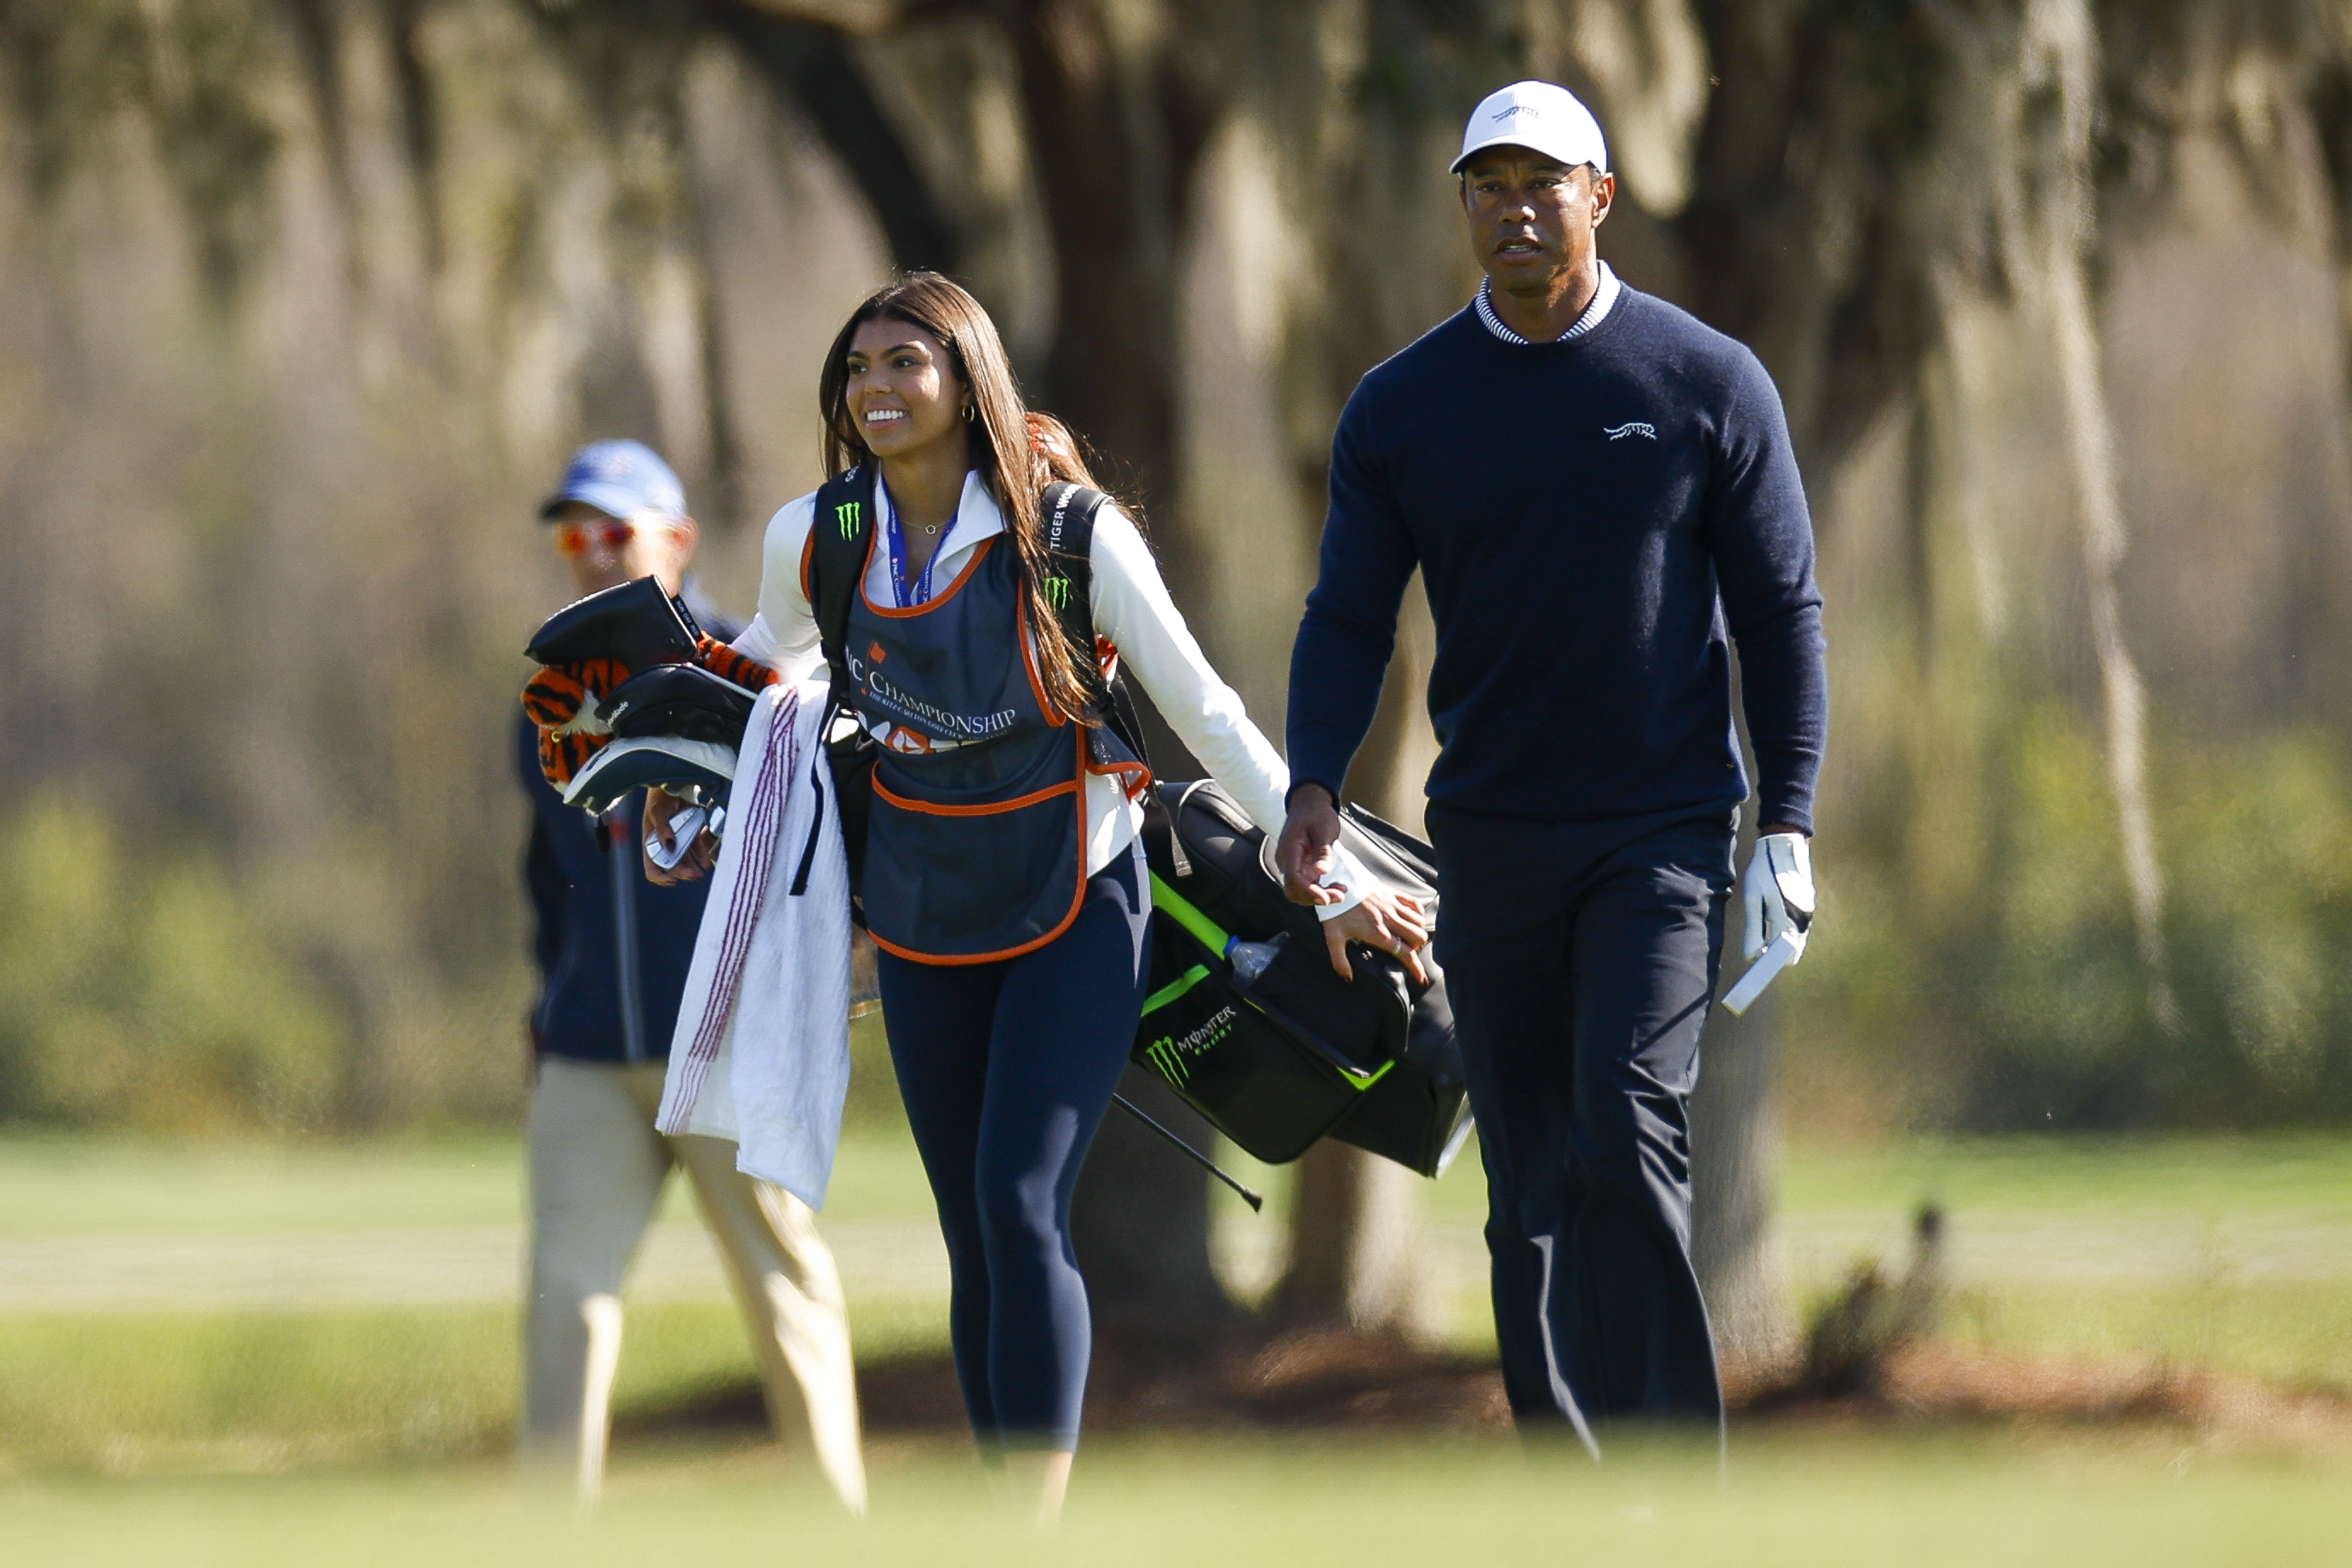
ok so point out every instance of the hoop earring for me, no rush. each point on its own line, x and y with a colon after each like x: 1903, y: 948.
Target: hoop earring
x: 967, y: 413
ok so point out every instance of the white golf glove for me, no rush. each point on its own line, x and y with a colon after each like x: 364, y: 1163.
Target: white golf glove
x: 1776, y: 896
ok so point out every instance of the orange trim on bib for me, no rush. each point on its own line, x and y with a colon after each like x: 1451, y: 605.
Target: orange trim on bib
x: 1053, y: 715
x: 1134, y: 787
x: 1078, y: 901
x: 979, y: 554
x: 994, y: 808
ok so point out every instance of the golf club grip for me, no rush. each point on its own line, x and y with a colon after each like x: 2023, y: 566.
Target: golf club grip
x: 1777, y: 957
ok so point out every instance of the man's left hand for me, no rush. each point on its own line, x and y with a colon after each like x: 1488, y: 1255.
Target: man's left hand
x: 1776, y: 895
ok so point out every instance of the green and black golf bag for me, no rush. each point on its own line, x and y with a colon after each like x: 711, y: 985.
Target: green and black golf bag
x: 1250, y: 1024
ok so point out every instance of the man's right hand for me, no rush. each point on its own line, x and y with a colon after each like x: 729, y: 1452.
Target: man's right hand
x: 661, y: 807
x: 1384, y: 920
x: 1304, y: 851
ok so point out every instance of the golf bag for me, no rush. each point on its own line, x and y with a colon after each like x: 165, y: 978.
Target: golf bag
x: 1248, y: 1022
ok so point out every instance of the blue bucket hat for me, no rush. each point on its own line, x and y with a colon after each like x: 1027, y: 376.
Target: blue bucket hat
x: 620, y: 477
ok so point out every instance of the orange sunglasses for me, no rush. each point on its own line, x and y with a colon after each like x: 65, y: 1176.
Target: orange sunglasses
x: 575, y: 538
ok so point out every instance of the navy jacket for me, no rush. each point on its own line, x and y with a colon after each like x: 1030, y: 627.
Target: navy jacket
x: 612, y: 947
x: 1594, y: 520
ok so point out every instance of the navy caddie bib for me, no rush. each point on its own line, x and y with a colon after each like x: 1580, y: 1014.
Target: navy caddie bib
x: 976, y: 844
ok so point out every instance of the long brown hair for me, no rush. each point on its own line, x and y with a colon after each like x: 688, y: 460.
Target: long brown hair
x: 999, y: 436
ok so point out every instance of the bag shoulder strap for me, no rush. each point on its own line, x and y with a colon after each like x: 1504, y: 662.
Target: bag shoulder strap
x: 1069, y: 512
x: 839, y: 536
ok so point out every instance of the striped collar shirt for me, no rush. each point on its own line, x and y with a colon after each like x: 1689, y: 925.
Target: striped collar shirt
x: 1604, y: 299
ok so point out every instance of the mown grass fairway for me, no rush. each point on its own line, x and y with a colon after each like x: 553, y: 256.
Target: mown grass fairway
x: 1920, y: 1501
x: 306, y: 1353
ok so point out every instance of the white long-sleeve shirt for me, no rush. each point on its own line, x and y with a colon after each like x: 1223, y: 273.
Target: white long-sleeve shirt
x: 1131, y: 608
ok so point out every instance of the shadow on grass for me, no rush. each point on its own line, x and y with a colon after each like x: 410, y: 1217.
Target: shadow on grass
x: 1872, y: 1356
x: 1344, y: 1382
x: 1336, y: 1379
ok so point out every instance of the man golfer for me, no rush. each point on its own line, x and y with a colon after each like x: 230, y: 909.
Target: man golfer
x: 613, y: 952
x: 1600, y: 494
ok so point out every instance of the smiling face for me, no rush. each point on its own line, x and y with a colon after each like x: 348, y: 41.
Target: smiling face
x: 904, y: 394
x: 1531, y: 219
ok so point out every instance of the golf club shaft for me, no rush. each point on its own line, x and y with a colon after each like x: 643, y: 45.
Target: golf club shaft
x: 1256, y: 1201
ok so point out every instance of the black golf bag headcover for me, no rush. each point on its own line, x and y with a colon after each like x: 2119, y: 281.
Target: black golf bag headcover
x: 1278, y: 1051
x: 683, y: 700
x: 636, y: 625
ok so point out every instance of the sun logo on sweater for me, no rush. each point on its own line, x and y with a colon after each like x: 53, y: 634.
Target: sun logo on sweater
x: 1630, y: 427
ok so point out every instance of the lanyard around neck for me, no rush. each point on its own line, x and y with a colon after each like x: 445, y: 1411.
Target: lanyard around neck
x: 896, y: 537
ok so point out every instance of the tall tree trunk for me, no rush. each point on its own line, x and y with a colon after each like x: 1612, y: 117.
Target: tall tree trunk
x: 1115, y: 135
x: 1115, y: 129
x: 1355, y: 1217
x: 1354, y: 1235
x: 2062, y: 51
x: 1732, y: 1150
x: 1106, y: 165
x: 1140, y: 1220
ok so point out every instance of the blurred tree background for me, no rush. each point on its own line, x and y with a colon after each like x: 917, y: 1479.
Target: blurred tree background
x: 304, y: 304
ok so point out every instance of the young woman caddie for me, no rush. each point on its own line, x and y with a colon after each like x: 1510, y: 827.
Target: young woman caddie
x: 1004, y: 878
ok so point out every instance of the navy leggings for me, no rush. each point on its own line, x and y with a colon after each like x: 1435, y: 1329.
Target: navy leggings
x: 1006, y: 1069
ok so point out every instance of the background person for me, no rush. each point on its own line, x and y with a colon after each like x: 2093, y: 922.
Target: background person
x: 1595, y: 488
x: 612, y: 955
x: 1014, y: 924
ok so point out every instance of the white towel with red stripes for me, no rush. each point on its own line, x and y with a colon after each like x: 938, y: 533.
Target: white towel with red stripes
x: 762, y: 1051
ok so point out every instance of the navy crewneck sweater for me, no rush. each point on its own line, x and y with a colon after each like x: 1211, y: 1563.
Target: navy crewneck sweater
x: 1591, y: 519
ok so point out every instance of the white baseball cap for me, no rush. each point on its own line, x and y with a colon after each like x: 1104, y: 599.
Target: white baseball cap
x: 1539, y: 117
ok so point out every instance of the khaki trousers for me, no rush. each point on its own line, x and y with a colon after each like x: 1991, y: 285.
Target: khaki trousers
x: 596, y: 1172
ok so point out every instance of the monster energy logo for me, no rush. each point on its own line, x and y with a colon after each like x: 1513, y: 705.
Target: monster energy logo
x: 1173, y: 1053
x: 1058, y: 592
x: 845, y: 515
x: 1171, y: 1066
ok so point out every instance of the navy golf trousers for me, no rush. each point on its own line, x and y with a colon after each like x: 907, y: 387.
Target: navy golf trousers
x: 1006, y: 1069
x: 1581, y: 958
